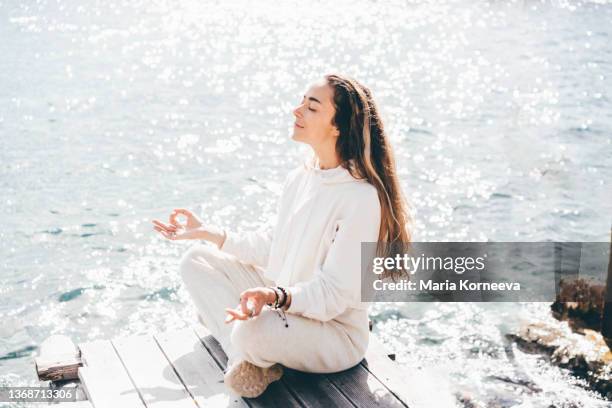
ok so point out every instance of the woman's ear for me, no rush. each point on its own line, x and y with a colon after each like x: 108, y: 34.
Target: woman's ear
x: 335, y: 132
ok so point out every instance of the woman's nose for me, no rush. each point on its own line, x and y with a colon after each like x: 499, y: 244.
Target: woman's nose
x: 297, y: 111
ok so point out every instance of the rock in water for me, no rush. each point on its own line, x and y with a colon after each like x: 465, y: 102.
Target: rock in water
x: 586, y: 354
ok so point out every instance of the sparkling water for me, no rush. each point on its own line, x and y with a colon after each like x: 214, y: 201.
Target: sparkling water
x: 114, y: 113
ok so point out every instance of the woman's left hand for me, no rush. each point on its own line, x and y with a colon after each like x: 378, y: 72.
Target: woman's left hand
x: 258, y: 297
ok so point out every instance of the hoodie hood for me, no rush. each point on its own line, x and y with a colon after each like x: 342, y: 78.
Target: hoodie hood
x: 335, y: 175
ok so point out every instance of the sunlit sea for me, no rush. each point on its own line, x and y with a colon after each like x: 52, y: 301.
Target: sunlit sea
x: 113, y: 113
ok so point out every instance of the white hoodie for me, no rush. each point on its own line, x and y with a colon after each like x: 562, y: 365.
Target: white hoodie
x: 314, y: 248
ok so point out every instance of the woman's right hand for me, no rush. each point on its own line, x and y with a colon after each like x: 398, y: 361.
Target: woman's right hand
x: 175, y: 230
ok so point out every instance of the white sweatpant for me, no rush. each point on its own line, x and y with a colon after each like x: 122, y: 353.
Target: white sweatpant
x: 215, y: 279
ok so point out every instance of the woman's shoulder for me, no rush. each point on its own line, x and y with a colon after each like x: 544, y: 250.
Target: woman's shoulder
x: 359, y: 198
x: 361, y: 187
x: 366, y: 194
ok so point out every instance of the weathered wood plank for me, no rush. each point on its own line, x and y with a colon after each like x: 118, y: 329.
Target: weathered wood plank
x: 58, y: 369
x: 277, y: 394
x: 152, y: 373
x: 413, y: 388
x: 58, y: 359
x: 364, y: 389
x: 104, y: 378
x: 197, y: 369
x: 314, y: 390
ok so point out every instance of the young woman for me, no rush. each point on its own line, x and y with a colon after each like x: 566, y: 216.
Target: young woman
x: 308, y: 264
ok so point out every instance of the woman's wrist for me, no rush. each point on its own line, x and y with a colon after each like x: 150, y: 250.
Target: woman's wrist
x: 213, y: 234
x: 278, y: 298
x: 272, y: 296
x: 285, y: 299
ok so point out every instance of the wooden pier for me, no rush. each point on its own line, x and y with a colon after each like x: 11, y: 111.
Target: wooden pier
x: 185, y: 369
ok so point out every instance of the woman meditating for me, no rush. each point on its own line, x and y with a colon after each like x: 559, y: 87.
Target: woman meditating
x: 289, y: 294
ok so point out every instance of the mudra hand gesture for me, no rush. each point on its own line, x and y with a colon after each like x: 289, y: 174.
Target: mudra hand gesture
x: 258, y: 297
x: 176, y: 230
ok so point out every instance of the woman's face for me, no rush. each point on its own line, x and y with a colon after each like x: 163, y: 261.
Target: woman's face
x: 313, y: 116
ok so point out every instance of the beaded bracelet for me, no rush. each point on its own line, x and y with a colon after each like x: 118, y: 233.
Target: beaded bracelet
x: 280, y: 306
x: 275, y: 304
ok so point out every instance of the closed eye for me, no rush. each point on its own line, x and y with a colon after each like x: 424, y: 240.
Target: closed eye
x: 309, y: 107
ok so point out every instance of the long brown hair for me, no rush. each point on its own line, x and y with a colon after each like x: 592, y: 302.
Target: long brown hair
x: 364, y: 141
